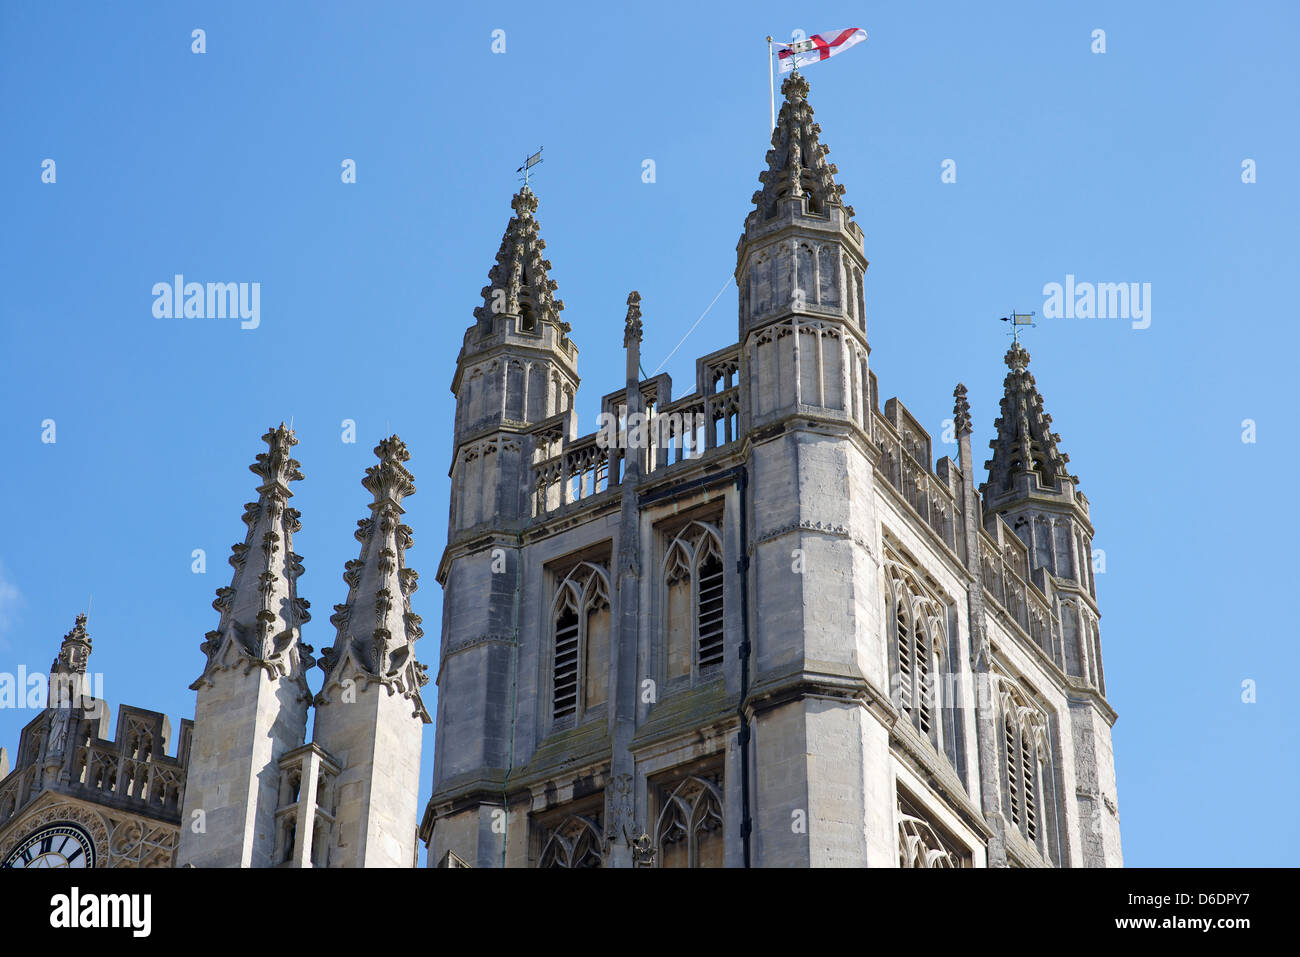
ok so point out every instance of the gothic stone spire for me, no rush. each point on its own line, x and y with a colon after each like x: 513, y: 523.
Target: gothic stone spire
x: 261, y: 613
x: 519, y: 284
x: 1024, y: 444
x: 796, y: 163
x: 377, y: 630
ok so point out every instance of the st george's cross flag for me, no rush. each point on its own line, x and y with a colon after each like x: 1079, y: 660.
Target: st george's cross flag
x: 818, y: 47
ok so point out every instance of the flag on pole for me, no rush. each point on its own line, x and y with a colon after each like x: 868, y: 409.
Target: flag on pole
x: 818, y: 47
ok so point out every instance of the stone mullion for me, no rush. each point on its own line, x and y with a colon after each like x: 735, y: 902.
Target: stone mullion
x: 798, y: 377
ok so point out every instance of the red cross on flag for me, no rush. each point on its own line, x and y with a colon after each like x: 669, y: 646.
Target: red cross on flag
x: 818, y: 47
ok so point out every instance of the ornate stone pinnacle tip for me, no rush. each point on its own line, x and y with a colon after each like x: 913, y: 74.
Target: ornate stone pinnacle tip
x: 795, y: 87
x: 632, y: 325
x: 280, y: 436
x: 78, y: 632
x: 392, y: 449
x: 278, y: 465
x: 1017, y: 358
x: 390, y: 478
x: 961, y: 410
x: 524, y: 203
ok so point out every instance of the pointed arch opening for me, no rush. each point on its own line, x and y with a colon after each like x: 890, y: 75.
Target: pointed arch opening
x: 1029, y: 792
x: 575, y: 843
x: 689, y: 831
x: 694, y: 602
x: 918, y: 651
x: 580, y: 636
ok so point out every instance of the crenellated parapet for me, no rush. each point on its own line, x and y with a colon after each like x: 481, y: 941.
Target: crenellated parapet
x: 69, y: 751
x: 934, y: 494
x: 568, y: 469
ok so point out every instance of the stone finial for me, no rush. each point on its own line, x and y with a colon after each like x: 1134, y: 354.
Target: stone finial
x: 961, y: 410
x: 278, y: 464
x: 1017, y: 358
x: 390, y: 478
x: 632, y: 325
x: 795, y: 87
x: 1024, y: 443
x: 74, y: 652
x: 518, y: 283
x: 796, y: 163
x: 261, y: 613
x: 524, y: 202
x: 377, y: 630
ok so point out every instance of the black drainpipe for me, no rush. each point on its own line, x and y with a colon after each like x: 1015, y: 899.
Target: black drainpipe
x: 742, y: 739
x: 741, y: 476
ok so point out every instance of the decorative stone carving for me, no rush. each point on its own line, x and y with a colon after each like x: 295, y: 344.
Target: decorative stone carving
x: 376, y: 629
x: 632, y: 324
x: 53, y: 813
x: 261, y: 614
x: 796, y: 163
x: 1023, y: 444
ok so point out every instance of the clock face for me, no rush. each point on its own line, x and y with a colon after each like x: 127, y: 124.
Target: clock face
x: 58, y: 845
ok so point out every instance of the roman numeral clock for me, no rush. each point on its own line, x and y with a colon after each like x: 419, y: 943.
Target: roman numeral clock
x: 56, y: 845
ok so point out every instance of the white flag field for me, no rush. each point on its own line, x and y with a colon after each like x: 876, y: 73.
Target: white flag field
x: 818, y: 47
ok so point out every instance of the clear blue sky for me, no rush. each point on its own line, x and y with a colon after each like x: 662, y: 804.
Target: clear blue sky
x: 1122, y: 166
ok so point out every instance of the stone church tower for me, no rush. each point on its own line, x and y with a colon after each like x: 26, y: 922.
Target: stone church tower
x: 758, y: 625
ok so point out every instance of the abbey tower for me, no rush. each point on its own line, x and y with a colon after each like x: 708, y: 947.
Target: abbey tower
x: 767, y: 629
x: 757, y: 624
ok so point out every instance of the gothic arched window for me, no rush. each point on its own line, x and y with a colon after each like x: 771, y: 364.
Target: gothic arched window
x: 694, y: 607
x: 919, y: 846
x: 916, y: 652
x: 1026, y: 771
x: 922, y: 842
x: 689, y: 831
x: 580, y: 618
x: 575, y: 843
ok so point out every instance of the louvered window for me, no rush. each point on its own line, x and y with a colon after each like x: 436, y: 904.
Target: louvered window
x: 923, y: 711
x: 904, y: 646
x: 694, y: 606
x: 915, y: 655
x: 1026, y: 775
x: 1013, y: 772
x: 566, y: 661
x: 709, y: 607
x: 1028, y: 766
x: 581, y: 634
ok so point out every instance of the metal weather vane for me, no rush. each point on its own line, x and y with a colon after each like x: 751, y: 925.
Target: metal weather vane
x: 1018, y: 319
x: 529, y: 162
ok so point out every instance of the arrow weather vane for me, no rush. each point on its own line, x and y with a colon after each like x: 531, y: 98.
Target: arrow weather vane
x: 1018, y: 319
x: 529, y: 163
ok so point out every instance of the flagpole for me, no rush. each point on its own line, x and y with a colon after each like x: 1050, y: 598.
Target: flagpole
x: 771, y: 84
